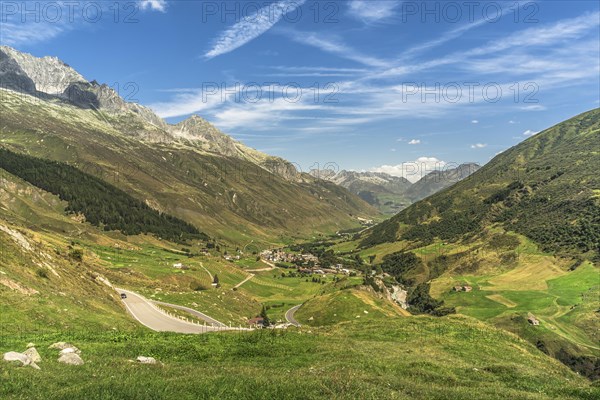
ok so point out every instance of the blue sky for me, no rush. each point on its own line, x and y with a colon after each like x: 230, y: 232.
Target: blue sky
x: 367, y: 85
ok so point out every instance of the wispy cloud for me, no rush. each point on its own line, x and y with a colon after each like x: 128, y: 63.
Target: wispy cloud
x: 461, y: 30
x: 534, y: 107
x: 154, y: 5
x: 371, y: 94
x: 251, y: 27
x: 20, y: 34
x: 415, y: 141
x: 316, y: 71
x: 372, y: 10
x: 335, y: 46
x: 546, y: 37
x: 23, y: 29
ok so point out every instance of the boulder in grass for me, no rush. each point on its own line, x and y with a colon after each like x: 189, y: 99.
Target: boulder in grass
x: 70, y: 359
x: 146, y: 360
x: 20, y: 357
x: 68, y: 350
x: 15, y: 356
x: 33, y: 354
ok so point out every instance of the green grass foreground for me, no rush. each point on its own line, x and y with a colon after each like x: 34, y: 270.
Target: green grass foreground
x: 417, y: 358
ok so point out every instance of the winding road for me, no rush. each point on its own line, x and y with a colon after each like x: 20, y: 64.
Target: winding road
x: 149, y: 315
x: 195, y: 313
x: 289, y: 315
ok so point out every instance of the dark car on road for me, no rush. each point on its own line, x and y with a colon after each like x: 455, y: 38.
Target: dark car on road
x: 123, y: 296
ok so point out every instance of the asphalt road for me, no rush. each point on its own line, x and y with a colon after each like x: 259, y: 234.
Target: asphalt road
x: 150, y: 316
x: 289, y: 315
x: 198, y: 314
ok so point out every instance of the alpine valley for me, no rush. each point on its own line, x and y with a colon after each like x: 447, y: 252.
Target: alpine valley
x: 142, y: 259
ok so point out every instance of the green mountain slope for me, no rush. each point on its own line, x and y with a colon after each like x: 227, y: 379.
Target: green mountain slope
x: 100, y: 203
x: 190, y: 170
x: 546, y: 188
x: 523, y: 233
x: 225, y: 196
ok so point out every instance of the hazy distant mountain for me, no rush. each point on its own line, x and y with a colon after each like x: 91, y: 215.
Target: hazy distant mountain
x: 392, y: 193
x: 438, y: 180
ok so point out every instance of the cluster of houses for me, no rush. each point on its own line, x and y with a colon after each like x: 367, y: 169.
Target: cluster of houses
x: 365, y: 221
x: 310, y: 262
x: 282, y: 256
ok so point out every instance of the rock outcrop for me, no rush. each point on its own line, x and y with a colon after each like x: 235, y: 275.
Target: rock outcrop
x: 70, y: 359
x: 33, y: 354
x: 146, y: 360
x: 24, y: 359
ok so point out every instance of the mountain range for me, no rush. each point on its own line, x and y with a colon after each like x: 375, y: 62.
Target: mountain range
x: 190, y: 170
x: 391, y: 194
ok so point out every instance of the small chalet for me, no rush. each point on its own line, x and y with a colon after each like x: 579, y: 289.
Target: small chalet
x: 464, y: 288
x: 257, y: 322
x: 532, y: 320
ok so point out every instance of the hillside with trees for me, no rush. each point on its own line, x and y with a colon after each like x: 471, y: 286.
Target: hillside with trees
x: 102, y: 204
x: 546, y: 188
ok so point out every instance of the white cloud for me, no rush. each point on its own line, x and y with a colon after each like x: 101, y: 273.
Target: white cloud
x: 335, y: 46
x: 511, y: 122
x: 475, y: 121
x: 412, y: 170
x: 415, y: 141
x: 536, y: 107
x: 505, y: 50
x: 154, y: 5
x: 478, y: 145
x: 251, y: 27
x: 529, y: 132
x: 316, y: 71
x: 18, y: 34
x: 372, y: 10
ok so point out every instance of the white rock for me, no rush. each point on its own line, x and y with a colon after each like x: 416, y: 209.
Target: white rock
x: 59, y: 345
x: 33, y: 354
x: 71, y: 359
x: 15, y: 356
x: 69, y: 350
x: 146, y: 360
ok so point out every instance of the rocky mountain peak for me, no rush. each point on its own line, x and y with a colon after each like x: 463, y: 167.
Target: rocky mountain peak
x: 49, y: 78
x: 49, y: 74
x: 197, y: 129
